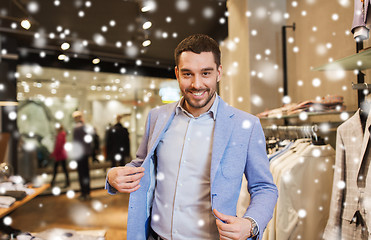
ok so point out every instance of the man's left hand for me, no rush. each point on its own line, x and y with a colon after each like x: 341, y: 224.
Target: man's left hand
x: 233, y: 227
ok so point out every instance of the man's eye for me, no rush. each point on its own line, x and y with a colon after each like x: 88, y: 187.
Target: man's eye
x: 206, y: 73
x: 186, y: 74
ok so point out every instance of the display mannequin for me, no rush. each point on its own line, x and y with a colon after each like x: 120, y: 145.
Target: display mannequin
x: 361, y: 20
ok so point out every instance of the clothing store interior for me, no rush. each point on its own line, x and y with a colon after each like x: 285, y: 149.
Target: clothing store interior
x: 301, y: 67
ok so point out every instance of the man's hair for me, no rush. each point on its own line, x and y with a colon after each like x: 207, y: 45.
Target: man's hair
x: 198, y: 43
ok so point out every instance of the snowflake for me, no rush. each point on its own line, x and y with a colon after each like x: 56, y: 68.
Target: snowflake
x: 97, y: 205
x: 316, y: 153
x: 246, y: 124
x: 70, y: 194
x: 56, y: 191
x: 302, y: 213
x: 341, y: 184
x: 7, y: 221
x: 160, y: 176
x: 200, y: 222
x: 156, y: 218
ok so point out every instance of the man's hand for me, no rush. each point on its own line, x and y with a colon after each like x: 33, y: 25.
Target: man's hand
x: 233, y: 227
x: 125, y: 179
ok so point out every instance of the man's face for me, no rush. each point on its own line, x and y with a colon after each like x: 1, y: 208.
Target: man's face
x: 77, y: 119
x: 197, y: 75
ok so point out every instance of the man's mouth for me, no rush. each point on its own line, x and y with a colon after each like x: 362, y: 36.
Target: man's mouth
x: 197, y: 93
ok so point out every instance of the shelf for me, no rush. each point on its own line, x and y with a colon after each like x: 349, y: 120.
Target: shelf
x: 309, y: 114
x: 334, y: 117
x: 359, y: 61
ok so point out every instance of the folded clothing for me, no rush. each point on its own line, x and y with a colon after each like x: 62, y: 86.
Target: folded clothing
x: 17, y: 194
x: 6, y: 201
x: 63, y: 234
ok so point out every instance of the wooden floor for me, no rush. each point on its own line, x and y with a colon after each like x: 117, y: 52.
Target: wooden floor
x: 102, y: 212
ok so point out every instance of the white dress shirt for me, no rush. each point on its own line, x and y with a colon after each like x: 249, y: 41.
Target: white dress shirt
x: 182, y: 206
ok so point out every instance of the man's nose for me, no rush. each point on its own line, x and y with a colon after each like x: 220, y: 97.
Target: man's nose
x: 197, y: 81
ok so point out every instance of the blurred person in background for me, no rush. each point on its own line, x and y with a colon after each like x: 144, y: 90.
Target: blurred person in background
x: 118, y: 144
x: 60, y: 155
x: 96, y: 146
x: 82, y: 148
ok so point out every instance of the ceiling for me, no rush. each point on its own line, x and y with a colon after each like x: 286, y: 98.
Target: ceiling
x: 110, y: 30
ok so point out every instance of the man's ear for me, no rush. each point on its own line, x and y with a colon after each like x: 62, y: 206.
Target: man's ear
x: 220, y: 71
x: 176, y: 70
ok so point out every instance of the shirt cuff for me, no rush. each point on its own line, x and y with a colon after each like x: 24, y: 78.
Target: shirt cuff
x: 111, y: 190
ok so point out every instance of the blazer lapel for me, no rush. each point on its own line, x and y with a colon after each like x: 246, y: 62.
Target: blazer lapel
x: 163, y: 121
x: 222, y: 133
x: 366, y: 137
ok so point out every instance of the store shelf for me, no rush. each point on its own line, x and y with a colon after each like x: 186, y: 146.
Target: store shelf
x: 312, y: 118
x: 360, y: 61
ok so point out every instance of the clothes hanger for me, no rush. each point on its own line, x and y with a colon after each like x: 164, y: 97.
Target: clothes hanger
x: 316, y: 140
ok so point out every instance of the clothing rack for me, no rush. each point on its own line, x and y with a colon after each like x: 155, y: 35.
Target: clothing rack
x: 293, y: 132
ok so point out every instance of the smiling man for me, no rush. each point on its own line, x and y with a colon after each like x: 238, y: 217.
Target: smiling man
x: 197, y: 75
x: 186, y: 179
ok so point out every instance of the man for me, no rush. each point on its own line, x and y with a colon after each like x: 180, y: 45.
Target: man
x: 118, y: 143
x: 81, y: 153
x: 186, y: 179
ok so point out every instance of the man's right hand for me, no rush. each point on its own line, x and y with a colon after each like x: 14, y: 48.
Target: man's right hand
x: 125, y: 179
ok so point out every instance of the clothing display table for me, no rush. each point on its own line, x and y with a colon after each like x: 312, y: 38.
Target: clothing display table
x: 5, y: 211
x: 16, y: 204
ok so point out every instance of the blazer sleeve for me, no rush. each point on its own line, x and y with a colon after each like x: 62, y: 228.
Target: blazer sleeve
x: 140, y: 156
x: 332, y: 230
x: 263, y: 191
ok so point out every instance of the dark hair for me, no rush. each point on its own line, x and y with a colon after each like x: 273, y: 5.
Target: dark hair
x: 198, y: 43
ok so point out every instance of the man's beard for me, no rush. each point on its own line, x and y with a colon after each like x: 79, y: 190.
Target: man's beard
x: 189, y: 101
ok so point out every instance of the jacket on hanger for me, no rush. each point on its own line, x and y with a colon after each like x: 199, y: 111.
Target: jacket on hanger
x: 351, y: 192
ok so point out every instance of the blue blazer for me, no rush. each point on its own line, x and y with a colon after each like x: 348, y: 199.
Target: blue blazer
x: 238, y: 148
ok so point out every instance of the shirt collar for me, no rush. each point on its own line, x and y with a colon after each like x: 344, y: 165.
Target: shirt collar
x: 213, y: 109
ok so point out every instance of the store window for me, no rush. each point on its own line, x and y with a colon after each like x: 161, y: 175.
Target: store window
x: 48, y: 97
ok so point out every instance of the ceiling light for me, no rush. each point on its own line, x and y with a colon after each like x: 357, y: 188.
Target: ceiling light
x: 148, y: 6
x: 61, y: 57
x: 118, y: 44
x: 65, y: 46
x: 26, y: 24
x: 96, y: 61
x: 146, y: 43
x: 147, y: 25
